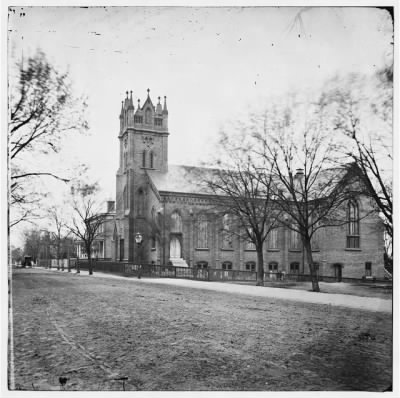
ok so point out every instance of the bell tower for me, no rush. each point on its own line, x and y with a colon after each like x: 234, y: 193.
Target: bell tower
x: 143, y: 146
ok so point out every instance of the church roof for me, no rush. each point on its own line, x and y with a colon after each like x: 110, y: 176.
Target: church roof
x: 193, y: 180
x: 183, y: 179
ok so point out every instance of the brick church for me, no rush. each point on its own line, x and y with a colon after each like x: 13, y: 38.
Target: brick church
x: 170, y: 210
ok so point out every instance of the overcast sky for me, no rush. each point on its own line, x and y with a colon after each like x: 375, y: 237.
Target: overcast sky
x: 213, y: 64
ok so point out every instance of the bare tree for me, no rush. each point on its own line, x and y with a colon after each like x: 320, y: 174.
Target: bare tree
x: 87, y: 217
x: 241, y: 193
x: 42, y: 110
x: 307, y: 190
x: 363, y: 112
x: 60, y: 233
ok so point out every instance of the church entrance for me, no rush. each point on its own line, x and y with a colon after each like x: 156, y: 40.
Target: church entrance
x: 175, y: 247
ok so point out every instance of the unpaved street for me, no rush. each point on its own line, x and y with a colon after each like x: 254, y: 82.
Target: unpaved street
x: 96, y: 330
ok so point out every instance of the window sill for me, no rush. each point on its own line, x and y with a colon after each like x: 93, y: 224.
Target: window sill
x: 315, y: 250
x: 227, y: 250
x: 295, y: 250
x: 202, y: 249
x: 153, y: 249
x: 273, y: 250
x: 250, y: 250
x: 352, y: 249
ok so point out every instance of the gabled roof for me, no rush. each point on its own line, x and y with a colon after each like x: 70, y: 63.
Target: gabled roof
x: 183, y: 179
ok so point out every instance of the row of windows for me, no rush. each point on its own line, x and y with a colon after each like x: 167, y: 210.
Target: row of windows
x: 273, y: 266
x: 227, y: 233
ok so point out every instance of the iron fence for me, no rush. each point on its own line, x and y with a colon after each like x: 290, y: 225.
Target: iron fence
x: 206, y: 274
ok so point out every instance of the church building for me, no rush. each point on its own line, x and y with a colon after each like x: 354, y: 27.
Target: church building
x: 163, y: 214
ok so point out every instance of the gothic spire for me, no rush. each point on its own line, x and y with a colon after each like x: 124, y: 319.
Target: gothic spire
x: 165, y: 110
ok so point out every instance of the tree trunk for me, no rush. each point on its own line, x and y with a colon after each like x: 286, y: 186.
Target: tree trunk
x: 90, y: 263
x: 313, y: 273
x: 58, y: 257
x: 260, y: 267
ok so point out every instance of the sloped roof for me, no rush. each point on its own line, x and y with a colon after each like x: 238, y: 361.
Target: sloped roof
x: 193, y: 180
x: 183, y: 179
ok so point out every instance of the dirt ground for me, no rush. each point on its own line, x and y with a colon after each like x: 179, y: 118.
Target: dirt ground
x: 95, y: 331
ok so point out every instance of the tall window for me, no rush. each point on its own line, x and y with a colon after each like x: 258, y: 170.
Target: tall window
x: 144, y: 159
x: 294, y: 239
x: 250, y: 244
x: 273, y: 239
x: 227, y: 241
x: 353, y: 229
x: 176, y: 222
x: 202, y: 232
x: 140, y: 209
x: 151, y: 160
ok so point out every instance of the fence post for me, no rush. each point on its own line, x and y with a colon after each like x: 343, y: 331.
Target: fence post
x: 175, y: 272
x: 69, y: 264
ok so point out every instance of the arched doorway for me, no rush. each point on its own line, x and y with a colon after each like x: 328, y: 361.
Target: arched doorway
x: 175, y: 247
x: 338, y: 272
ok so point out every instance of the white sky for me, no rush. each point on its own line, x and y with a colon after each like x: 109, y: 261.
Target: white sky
x: 213, y: 64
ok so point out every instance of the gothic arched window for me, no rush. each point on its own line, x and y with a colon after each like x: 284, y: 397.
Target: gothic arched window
x: 202, y: 232
x: 176, y: 222
x: 353, y: 222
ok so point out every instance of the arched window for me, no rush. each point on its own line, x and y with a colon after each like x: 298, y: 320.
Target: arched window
x: 144, y: 159
x: 273, y: 239
x: 176, y: 222
x: 202, y: 232
x: 250, y: 266
x: 151, y: 160
x: 153, y: 215
x: 353, y: 222
x: 227, y: 265
x: 140, y: 209
x: 147, y: 116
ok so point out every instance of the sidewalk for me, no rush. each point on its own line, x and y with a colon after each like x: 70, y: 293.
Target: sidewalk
x: 340, y: 300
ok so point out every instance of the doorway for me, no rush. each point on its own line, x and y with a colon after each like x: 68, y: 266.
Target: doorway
x: 175, y: 248
x: 338, y: 272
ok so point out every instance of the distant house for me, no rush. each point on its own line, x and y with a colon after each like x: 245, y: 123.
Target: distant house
x: 169, y: 207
